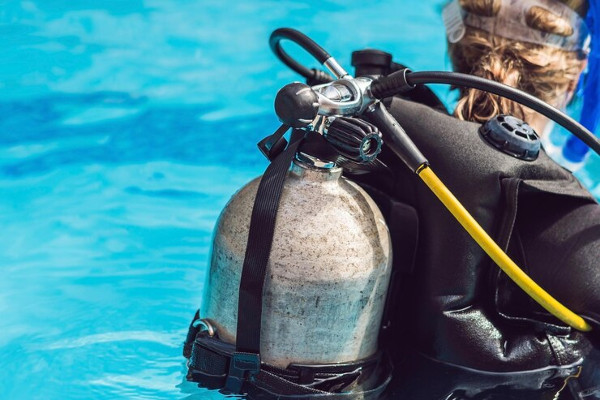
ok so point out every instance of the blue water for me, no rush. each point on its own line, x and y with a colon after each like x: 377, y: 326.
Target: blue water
x: 125, y: 126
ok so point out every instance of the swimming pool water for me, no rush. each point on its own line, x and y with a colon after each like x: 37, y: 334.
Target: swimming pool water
x: 125, y: 126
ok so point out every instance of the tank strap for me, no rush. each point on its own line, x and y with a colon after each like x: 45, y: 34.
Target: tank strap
x: 260, y: 237
x: 210, y: 363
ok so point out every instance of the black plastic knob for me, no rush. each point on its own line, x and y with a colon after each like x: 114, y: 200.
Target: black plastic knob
x: 296, y: 104
x: 512, y: 136
x: 355, y: 139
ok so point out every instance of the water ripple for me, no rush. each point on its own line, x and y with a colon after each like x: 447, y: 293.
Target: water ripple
x: 168, y: 339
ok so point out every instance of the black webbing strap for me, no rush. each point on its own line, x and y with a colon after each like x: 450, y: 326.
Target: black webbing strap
x: 210, y: 365
x: 270, y: 386
x: 260, y: 238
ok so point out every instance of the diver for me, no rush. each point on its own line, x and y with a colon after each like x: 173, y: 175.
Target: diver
x: 453, y: 325
x: 476, y: 334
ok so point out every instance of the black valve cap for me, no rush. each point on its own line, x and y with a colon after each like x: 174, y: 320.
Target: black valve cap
x: 371, y: 62
x: 296, y: 104
x: 512, y: 136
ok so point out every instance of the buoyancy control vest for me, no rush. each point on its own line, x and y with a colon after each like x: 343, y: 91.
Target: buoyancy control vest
x: 458, y: 326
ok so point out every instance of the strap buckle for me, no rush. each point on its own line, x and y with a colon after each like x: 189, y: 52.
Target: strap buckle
x: 242, y: 367
x: 274, y: 144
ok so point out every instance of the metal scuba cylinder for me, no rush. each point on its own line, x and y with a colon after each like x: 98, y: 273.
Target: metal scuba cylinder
x: 327, y: 274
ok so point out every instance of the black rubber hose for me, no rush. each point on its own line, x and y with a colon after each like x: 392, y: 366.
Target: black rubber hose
x: 307, y: 44
x: 395, y: 137
x: 400, y: 81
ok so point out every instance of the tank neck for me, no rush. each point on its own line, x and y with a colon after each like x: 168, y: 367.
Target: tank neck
x: 314, y: 169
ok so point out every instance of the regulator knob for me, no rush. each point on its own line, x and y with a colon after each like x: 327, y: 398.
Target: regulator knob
x: 296, y: 105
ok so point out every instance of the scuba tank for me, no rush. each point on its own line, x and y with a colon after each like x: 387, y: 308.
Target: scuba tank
x: 327, y: 275
x: 247, y: 338
x: 306, y: 321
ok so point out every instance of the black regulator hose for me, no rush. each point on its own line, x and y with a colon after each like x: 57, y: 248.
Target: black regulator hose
x: 404, y: 80
x: 312, y: 75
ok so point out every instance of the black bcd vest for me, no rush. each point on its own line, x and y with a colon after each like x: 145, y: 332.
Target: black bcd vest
x: 456, y: 325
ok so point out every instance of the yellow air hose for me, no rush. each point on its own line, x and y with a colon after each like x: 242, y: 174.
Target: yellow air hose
x: 495, y: 252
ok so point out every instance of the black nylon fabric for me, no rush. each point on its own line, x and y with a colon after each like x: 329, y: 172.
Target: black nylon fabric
x: 260, y: 238
x: 448, y: 302
x: 563, y: 251
x: 436, y: 380
x: 210, y: 360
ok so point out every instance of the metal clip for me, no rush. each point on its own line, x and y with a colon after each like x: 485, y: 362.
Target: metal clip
x: 205, y: 323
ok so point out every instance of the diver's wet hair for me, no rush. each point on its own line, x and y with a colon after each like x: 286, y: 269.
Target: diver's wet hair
x: 543, y: 20
x: 548, y: 73
x: 489, y: 8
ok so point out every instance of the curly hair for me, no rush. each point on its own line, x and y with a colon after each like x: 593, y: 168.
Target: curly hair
x: 545, y: 72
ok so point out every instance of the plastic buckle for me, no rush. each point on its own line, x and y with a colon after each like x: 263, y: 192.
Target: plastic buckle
x: 272, y: 146
x: 243, y: 366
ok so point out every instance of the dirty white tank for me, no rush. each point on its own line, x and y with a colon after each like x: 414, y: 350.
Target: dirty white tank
x: 327, y: 274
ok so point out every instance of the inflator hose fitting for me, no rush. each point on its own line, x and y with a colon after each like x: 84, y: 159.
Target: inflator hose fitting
x: 391, y: 85
x: 395, y: 137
